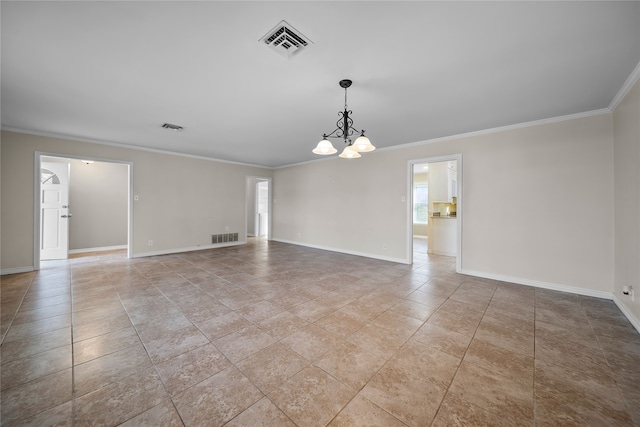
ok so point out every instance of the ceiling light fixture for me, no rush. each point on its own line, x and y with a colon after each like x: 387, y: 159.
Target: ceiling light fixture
x: 345, y: 131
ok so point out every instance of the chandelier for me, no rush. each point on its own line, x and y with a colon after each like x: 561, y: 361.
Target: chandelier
x: 345, y: 131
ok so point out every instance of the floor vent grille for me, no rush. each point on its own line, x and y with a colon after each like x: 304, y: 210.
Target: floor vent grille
x: 224, y: 238
x: 286, y: 40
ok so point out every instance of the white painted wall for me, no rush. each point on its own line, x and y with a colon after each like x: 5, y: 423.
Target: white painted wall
x: 626, y: 127
x: 183, y: 200
x: 533, y: 201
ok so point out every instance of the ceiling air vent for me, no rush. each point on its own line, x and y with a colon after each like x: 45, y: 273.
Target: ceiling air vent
x: 174, y: 128
x: 286, y: 40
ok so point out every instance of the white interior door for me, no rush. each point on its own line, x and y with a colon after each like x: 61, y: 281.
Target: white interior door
x: 54, y: 210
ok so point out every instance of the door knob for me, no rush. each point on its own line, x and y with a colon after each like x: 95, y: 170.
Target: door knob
x: 66, y: 216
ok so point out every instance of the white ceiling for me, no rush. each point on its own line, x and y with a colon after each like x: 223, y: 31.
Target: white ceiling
x: 116, y: 71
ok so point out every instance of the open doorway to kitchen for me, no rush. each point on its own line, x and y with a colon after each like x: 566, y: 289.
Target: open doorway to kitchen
x: 96, y: 211
x: 435, y: 211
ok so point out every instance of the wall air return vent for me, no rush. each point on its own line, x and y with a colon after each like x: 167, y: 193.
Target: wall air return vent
x: 286, y: 40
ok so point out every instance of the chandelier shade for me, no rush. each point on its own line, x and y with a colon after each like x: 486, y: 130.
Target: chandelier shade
x: 349, y: 153
x: 345, y: 131
x: 325, y: 147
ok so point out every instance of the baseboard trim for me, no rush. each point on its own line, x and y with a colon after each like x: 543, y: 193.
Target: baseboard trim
x: 16, y: 270
x: 189, y: 249
x: 539, y: 284
x: 343, y: 251
x: 628, y: 314
x: 99, y: 249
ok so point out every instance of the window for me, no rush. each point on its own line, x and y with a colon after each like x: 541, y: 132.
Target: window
x: 420, y: 203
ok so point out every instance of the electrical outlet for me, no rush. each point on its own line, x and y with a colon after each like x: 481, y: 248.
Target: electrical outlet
x: 136, y: 197
x: 385, y: 246
x: 150, y: 242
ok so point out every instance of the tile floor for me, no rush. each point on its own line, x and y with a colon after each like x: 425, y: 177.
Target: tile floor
x: 270, y: 334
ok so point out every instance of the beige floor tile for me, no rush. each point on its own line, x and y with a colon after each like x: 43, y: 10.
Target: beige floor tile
x: 271, y: 366
x: 26, y: 330
x: 312, y: 310
x: 191, y: 367
x: 425, y: 362
x: 243, y: 343
x: 464, y: 325
x: 574, y: 397
x: 442, y: 339
x: 261, y: 414
x: 120, y: 401
x: 549, y: 333
x: 59, y: 416
x: 259, y: 311
x: 409, y: 398
x: 217, y: 400
x: 510, y: 332
x: 223, y: 325
x: 351, y: 364
x: 18, y: 349
x: 32, y: 304
x: 31, y: 315
x: 175, y: 343
x: 471, y: 363
x: 99, y: 372
x: 99, y: 327
x: 311, y: 397
x: 102, y: 345
x: 362, y: 412
x: 378, y: 339
x: 164, y: 415
x: 311, y: 342
x: 508, y: 363
x: 414, y: 309
x: 456, y: 411
x: 36, y: 366
x: 340, y: 323
x: 398, y: 323
x: 569, y: 353
x: 32, y: 398
x: 282, y: 324
x: 497, y: 393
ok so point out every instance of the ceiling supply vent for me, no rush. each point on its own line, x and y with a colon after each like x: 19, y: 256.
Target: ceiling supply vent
x: 286, y: 40
x: 174, y: 128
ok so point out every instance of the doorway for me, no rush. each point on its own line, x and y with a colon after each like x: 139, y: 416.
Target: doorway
x: 96, y: 214
x: 258, y: 207
x: 435, y: 208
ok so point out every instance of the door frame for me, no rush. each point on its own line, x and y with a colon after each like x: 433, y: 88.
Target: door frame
x: 248, y: 178
x: 459, y: 210
x: 36, y: 197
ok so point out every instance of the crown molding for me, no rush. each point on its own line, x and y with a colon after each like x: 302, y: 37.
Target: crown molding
x: 626, y: 87
x: 120, y: 145
x: 501, y: 129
